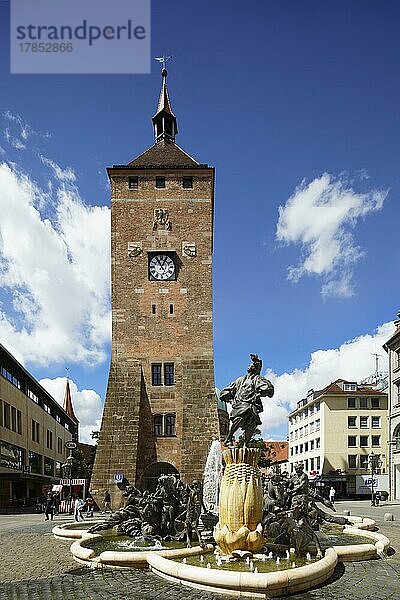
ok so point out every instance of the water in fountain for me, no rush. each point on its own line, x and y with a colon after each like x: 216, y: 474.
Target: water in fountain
x: 212, y: 477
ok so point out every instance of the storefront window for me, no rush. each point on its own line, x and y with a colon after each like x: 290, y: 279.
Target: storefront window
x: 48, y: 466
x: 10, y: 456
x: 35, y: 462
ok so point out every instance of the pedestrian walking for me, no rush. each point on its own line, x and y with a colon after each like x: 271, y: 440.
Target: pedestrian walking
x: 78, y: 508
x: 42, y: 502
x: 49, y: 510
x: 107, y: 502
x: 57, y: 502
x: 89, y: 506
x: 332, y: 493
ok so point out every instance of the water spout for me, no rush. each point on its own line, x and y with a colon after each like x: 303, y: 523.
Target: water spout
x: 212, y: 477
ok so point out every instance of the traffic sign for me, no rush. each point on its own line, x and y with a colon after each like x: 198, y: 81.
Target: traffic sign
x: 70, y: 445
x: 26, y: 469
x: 118, y: 477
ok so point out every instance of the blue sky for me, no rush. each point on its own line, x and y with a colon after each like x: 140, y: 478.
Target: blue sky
x: 296, y: 105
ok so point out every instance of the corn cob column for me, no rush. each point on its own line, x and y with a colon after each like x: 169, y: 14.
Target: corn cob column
x: 240, y: 503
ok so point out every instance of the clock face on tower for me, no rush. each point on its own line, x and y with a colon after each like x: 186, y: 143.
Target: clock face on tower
x: 162, y: 267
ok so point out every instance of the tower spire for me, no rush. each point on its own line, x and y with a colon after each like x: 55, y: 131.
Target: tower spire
x: 68, y: 407
x: 164, y: 121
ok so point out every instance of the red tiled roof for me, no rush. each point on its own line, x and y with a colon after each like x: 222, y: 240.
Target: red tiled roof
x: 277, y: 451
x: 334, y: 388
x: 164, y: 154
x: 67, y: 406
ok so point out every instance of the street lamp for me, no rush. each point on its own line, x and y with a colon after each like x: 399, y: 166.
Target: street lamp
x: 375, y: 463
x: 67, y: 466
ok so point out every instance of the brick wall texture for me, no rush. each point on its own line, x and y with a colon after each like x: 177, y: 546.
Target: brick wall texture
x: 179, y: 331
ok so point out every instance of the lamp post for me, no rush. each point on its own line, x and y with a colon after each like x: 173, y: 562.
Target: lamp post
x: 375, y: 463
x: 70, y: 445
x: 67, y: 466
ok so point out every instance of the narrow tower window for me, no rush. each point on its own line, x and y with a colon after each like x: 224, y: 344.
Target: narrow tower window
x: 156, y: 374
x: 169, y: 374
x: 133, y: 183
x: 171, y: 309
x: 187, y: 183
x: 153, y: 309
x: 160, y: 182
x: 158, y: 424
x: 169, y: 425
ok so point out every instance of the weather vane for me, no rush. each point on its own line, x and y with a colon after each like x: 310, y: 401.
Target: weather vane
x: 163, y: 60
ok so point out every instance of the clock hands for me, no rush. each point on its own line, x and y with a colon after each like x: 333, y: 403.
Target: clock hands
x: 162, y: 267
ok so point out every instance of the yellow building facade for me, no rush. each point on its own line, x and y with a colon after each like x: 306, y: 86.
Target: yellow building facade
x: 33, y: 431
x: 336, y: 432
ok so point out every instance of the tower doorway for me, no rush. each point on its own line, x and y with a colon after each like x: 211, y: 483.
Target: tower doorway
x: 153, y: 472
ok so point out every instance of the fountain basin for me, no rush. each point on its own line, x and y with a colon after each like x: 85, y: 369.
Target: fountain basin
x: 125, y: 560
x: 278, y: 583
x: 356, y: 552
x: 73, y: 531
x: 252, y: 585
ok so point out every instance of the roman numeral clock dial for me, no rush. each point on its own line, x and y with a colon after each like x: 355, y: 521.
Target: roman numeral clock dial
x: 161, y: 267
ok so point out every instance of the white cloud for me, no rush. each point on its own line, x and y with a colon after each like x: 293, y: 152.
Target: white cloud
x: 54, y: 269
x: 353, y: 360
x: 87, y: 405
x: 18, y: 132
x: 59, y: 173
x: 320, y: 217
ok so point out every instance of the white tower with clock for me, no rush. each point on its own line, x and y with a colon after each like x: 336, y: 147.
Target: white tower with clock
x: 160, y: 412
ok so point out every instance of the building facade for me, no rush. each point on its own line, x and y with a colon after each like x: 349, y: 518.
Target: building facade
x: 392, y: 347
x: 33, y: 431
x: 334, y: 431
x: 277, y: 455
x: 160, y: 413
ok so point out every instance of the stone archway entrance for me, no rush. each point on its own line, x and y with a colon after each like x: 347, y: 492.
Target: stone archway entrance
x: 153, y: 472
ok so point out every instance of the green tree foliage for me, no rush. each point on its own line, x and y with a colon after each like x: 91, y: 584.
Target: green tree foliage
x: 257, y: 442
x: 82, y: 467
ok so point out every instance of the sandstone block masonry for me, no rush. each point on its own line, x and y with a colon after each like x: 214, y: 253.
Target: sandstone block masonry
x: 159, y: 322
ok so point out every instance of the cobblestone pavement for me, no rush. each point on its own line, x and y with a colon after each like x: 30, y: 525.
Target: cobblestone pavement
x: 36, y: 566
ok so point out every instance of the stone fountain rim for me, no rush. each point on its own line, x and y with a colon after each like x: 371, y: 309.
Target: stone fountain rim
x: 254, y: 585
x: 126, y: 560
x: 68, y: 531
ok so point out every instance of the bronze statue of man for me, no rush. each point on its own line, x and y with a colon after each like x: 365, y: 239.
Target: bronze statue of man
x: 245, y: 394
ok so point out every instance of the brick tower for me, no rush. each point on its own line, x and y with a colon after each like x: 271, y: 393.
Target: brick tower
x: 160, y: 412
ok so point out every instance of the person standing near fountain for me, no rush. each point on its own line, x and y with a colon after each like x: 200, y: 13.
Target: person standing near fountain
x: 107, y: 502
x: 49, y: 510
x: 245, y: 395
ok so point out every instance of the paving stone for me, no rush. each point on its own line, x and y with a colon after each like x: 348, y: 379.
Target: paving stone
x: 35, y: 566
